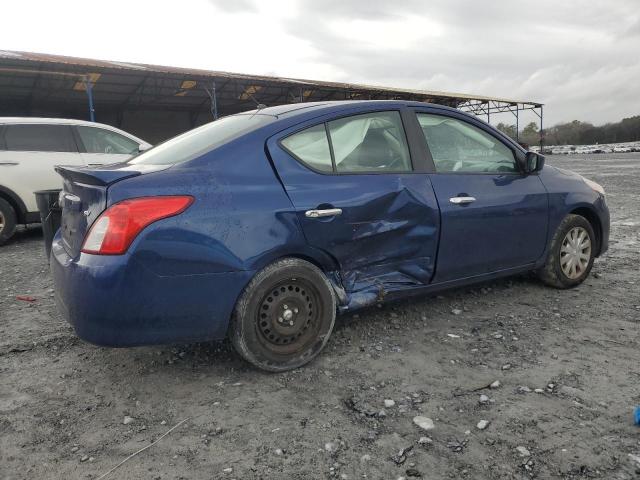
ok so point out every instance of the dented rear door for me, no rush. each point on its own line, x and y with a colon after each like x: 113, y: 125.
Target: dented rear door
x: 384, y: 237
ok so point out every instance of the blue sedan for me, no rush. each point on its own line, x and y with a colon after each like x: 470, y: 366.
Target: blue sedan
x: 262, y: 226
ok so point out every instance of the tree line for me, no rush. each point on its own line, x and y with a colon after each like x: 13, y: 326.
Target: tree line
x: 577, y: 132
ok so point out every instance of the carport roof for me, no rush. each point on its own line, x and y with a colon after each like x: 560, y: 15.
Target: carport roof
x: 55, y: 79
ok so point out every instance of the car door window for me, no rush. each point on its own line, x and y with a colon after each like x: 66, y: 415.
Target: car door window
x: 458, y: 146
x: 39, y: 138
x: 373, y: 142
x: 99, y: 140
x: 368, y: 143
x: 311, y: 147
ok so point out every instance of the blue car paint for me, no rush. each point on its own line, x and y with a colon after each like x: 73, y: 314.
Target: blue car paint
x: 181, y: 277
x: 567, y: 193
x: 386, y: 238
x: 514, y: 205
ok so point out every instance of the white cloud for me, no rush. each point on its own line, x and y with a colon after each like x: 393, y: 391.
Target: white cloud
x: 578, y: 58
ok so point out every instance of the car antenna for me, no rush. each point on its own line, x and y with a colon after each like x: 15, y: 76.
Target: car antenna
x: 259, y: 106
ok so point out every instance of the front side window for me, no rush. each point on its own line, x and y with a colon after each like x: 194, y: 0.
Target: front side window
x: 458, y: 146
x: 368, y: 143
x: 99, y: 140
x: 39, y: 138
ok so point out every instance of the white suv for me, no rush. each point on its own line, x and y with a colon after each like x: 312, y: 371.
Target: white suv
x: 31, y: 147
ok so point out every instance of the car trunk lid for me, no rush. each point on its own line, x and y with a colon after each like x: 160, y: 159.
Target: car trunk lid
x: 84, y: 197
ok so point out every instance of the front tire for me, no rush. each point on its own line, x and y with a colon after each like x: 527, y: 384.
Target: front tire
x: 571, y: 253
x: 284, y: 316
x: 7, y: 221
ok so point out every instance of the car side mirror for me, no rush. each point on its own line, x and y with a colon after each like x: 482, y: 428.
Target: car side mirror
x: 533, y: 162
x: 143, y: 148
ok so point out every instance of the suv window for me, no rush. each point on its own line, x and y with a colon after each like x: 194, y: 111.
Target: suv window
x: 100, y: 140
x: 457, y: 146
x: 39, y: 138
x: 372, y: 142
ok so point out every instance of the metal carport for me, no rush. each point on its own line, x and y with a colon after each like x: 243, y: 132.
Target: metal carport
x: 156, y: 102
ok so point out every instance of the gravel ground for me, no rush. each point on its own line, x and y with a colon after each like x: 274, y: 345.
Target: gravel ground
x: 567, y: 363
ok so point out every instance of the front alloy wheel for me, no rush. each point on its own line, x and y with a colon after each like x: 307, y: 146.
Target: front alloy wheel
x: 571, y: 253
x: 575, y: 253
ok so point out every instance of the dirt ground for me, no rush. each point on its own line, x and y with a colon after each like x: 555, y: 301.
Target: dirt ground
x: 568, y: 363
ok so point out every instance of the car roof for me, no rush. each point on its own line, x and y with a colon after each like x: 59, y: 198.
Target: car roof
x: 50, y: 121
x: 294, y: 109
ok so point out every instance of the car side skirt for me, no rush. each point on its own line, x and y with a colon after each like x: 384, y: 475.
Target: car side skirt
x: 358, y: 300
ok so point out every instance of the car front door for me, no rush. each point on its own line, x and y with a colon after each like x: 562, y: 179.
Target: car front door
x: 493, y: 216
x: 360, y: 198
x: 101, y: 146
x: 28, y: 155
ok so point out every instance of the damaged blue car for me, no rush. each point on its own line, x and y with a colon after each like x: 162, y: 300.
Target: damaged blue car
x: 262, y: 226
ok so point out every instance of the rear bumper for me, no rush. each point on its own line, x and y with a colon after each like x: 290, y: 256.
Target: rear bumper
x: 116, y: 301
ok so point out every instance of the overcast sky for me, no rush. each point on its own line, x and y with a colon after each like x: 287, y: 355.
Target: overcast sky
x: 579, y: 57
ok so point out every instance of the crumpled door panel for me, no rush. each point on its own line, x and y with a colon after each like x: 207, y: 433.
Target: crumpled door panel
x: 386, y: 237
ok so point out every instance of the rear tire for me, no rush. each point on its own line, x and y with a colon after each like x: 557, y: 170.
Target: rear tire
x: 284, y: 316
x: 571, y: 253
x: 7, y: 221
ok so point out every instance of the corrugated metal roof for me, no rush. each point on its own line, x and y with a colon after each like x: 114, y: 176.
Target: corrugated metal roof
x: 59, y: 62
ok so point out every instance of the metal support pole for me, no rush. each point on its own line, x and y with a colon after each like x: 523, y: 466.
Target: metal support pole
x: 92, y: 113
x: 488, y: 114
x: 301, y: 95
x: 541, y: 131
x: 517, y: 125
x: 214, y: 101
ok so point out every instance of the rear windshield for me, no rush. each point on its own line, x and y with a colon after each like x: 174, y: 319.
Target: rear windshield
x: 200, y: 140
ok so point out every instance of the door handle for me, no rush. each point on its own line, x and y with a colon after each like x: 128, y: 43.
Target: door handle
x: 328, y: 212
x: 462, y: 200
x: 8, y: 163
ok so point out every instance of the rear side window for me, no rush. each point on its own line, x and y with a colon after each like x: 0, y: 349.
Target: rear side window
x: 311, y: 146
x: 99, y: 140
x: 38, y: 138
x: 201, y: 140
x: 374, y: 142
x: 368, y: 143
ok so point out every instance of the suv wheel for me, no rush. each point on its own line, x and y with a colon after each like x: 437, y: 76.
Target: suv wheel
x: 571, y: 253
x: 284, y: 317
x: 7, y: 221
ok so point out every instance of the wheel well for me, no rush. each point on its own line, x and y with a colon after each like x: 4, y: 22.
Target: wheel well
x: 593, y: 219
x: 20, y: 211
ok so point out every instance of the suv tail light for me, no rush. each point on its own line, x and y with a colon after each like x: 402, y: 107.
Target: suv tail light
x: 115, y: 229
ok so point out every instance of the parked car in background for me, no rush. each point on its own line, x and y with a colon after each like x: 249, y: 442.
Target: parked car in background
x: 30, y: 148
x: 261, y: 225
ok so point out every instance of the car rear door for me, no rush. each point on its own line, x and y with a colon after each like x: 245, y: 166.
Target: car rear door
x: 101, y: 146
x: 28, y: 155
x: 361, y: 196
x: 493, y: 216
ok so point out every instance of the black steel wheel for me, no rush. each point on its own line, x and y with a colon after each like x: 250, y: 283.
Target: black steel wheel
x: 285, y: 316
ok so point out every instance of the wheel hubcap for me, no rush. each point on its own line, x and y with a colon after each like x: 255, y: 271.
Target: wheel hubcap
x: 1, y: 222
x: 575, y: 252
x: 288, y: 316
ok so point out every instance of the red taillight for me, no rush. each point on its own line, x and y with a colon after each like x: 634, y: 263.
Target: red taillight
x: 118, y: 225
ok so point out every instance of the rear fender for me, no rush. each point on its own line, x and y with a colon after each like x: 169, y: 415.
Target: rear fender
x: 241, y: 218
